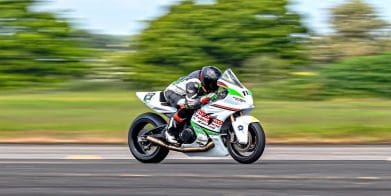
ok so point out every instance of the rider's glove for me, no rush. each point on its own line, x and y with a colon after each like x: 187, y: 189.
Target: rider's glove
x: 207, y: 98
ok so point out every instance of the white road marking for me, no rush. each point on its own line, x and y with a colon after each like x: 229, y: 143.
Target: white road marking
x: 388, y: 159
x: 368, y: 178
x: 135, y: 175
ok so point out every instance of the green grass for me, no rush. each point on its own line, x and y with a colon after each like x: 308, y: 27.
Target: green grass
x: 107, y: 115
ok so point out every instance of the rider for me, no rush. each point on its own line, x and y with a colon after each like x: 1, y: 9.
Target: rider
x: 188, y: 94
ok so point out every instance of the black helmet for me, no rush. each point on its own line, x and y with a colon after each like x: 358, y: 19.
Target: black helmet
x: 209, y: 76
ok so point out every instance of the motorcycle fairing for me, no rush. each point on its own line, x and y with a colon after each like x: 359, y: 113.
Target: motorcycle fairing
x: 152, y: 100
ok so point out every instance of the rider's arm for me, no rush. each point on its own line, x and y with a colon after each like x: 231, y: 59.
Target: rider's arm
x: 193, y: 99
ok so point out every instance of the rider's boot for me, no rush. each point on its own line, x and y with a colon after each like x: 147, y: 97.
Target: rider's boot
x: 170, y: 132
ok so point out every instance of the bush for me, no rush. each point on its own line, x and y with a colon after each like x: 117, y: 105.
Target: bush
x: 359, y: 76
x: 356, y: 77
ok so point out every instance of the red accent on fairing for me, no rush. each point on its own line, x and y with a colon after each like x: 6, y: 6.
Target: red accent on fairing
x: 225, y: 107
x: 221, y: 84
x: 177, y: 118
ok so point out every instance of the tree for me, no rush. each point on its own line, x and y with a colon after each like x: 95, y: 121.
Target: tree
x: 227, y: 33
x: 36, y: 47
x: 356, y: 19
x: 357, y: 33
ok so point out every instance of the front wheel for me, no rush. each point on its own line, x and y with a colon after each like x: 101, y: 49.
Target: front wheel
x: 143, y: 150
x: 249, y: 153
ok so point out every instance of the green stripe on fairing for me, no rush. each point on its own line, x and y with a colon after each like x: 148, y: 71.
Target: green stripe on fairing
x: 207, y: 131
x: 234, y: 92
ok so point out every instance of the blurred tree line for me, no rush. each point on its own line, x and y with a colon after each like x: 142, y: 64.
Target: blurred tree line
x: 269, y: 47
x: 37, y: 47
x: 261, y: 40
x: 359, y: 32
x: 227, y: 33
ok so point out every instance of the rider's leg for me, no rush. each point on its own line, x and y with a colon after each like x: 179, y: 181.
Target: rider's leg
x: 173, y: 128
x: 175, y: 123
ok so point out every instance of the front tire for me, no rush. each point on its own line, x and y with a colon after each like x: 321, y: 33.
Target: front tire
x: 145, y: 151
x: 251, y: 152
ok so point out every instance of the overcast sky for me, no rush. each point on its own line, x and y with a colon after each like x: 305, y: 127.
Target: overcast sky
x: 124, y: 17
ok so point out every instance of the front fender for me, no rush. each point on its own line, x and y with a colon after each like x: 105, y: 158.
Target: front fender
x: 240, y: 126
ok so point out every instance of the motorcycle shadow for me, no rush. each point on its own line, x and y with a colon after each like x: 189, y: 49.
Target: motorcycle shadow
x: 202, y: 162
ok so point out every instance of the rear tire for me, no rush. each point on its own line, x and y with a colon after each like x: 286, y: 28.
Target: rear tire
x: 138, y: 148
x: 257, y: 144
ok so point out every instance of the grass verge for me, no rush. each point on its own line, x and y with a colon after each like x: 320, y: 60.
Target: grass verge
x: 104, y: 117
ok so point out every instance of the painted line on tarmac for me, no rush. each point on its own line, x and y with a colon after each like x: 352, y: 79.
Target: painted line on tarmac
x: 388, y: 159
x: 83, y: 157
x: 368, y: 178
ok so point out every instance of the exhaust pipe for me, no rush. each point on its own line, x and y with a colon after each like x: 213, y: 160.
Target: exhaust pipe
x: 159, y: 142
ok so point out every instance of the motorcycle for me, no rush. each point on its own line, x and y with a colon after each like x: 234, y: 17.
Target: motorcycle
x: 220, y: 128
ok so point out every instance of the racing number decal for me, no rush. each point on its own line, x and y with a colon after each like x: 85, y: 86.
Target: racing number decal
x: 245, y: 93
x: 148, y: 97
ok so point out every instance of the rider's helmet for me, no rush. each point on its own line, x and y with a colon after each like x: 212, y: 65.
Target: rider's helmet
x: 209, y: 76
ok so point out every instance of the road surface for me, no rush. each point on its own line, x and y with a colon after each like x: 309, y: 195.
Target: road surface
x: 109, y: 170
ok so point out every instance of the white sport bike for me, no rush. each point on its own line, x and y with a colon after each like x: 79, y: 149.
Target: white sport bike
x: 220, y: 128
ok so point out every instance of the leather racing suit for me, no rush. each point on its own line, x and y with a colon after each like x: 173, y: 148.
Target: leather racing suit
x: 186, y: 94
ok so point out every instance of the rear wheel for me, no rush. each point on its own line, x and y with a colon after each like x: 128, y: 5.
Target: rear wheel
x: 143, y: 150
x: 249, y: 153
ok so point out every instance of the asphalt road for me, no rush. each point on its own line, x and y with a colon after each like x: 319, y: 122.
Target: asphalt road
x: 284, y: 170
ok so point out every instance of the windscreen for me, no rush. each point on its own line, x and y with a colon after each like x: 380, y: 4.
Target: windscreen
x: 231, y: 78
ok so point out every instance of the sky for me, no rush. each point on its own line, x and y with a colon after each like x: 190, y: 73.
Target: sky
x: 126, y: 17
